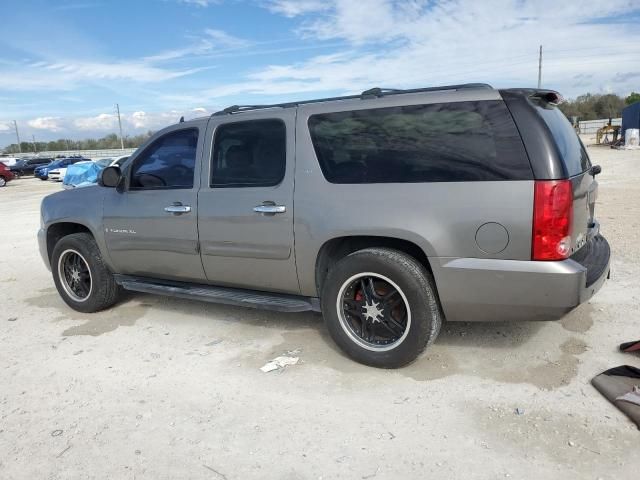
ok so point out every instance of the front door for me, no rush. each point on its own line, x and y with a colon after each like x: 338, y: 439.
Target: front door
x: 245, y: 216
x: 151, y: 227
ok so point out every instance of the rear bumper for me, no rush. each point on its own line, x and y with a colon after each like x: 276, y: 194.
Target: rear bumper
x: 475, y: 289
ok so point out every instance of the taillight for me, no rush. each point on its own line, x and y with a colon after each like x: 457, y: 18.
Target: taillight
x: 552, y: 218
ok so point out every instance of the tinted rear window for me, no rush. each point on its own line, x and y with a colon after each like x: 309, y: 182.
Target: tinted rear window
x: 572, y: 152
x: 454, y: 142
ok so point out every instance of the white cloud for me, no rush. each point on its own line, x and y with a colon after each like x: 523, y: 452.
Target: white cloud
x: 199, y: 3
x: 394, y: 43
x: 221, y: 37
x: 294, y: 8
x: 4, y: 127
x: 139, y: 119
x: 46, y: 123
x: 101, y: 122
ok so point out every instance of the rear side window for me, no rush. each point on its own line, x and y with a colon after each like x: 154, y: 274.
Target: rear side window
x: 454, y: 142
x: 571, y: 149
x: 249, y: 154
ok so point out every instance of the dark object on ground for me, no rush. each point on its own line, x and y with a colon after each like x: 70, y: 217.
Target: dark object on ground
x: 629, y: 347
x: 618, y: 382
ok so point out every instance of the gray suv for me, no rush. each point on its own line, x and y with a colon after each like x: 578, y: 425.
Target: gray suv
x: 388, y: 211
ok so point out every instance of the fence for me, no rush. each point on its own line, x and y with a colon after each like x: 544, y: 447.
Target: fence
x: 92, y: 154
x: 590, y: 127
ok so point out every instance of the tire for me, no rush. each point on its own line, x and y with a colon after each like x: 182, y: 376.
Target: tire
x: 74, y: 250
x: 3, y: 181
x: 415, y: 296
x: 43, y: 178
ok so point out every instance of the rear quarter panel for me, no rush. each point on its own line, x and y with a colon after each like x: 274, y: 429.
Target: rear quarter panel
x: 441, y: 218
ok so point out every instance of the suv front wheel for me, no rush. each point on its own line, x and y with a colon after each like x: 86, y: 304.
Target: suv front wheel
x: 81, y: 277
x: 381, y: 307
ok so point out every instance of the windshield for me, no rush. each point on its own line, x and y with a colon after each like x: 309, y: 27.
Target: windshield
x: 569, y: 144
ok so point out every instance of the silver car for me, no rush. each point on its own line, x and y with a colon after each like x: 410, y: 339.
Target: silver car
x: 388, y: 211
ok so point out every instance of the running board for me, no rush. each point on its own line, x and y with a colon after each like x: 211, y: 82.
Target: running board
x: 227, y: 296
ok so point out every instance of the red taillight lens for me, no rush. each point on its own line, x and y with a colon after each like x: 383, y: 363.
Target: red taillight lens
x: 552, y: 219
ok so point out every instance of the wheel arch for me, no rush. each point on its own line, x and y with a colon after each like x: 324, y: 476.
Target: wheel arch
x: 336, y: 248
x: 58, y: 230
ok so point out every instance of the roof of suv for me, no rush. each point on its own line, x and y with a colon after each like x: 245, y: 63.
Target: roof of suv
x: 367, y: 94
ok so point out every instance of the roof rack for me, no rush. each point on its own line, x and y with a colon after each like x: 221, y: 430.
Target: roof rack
x: 375, y: 92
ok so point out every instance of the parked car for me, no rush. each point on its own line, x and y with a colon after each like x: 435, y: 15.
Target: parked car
x: 119, y: 161
x: 5, y: 175
x: 26, y: 166
x: 84, y: 174
x: 387, y: 211
x: 43, y: 172
x: 8, y: 161
x: 57, y: 174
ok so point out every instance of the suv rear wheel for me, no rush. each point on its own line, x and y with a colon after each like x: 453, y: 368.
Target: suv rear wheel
x: 81, y: 277
x: 381, y: 307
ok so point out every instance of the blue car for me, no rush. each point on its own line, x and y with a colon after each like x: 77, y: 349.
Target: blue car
x: 43, y: 172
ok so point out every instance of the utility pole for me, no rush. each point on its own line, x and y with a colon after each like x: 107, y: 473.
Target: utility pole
x: 35, y: 149
x: 540, y: 68
x: 120, y: 125
x: 15, y: 125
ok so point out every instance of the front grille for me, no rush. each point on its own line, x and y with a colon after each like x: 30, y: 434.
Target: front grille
x: 594, y: 256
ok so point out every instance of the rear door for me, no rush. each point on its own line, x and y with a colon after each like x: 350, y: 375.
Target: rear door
x: 245, y: 203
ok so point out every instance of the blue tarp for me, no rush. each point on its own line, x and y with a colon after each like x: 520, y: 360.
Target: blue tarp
x: 82, y: 174
x: 631, y: 117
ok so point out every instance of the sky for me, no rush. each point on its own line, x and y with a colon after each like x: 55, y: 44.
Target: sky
x: 64, y: 64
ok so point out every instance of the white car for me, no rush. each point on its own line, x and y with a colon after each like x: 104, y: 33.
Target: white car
x: 9, y: 161
x: 118, y: 161
x: 57, y: 175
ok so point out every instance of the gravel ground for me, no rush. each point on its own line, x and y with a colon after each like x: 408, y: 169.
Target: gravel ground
x: 164, y: 388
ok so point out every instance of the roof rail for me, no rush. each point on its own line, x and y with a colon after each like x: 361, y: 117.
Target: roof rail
x: 375, y: 92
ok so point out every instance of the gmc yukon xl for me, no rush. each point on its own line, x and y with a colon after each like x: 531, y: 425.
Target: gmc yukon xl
x: 388, y: 211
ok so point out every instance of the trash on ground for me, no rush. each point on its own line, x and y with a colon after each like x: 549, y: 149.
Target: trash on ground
x: 620, y: 385
x: 519, y: 411
x: 279, y: 363
x: 629, y: 347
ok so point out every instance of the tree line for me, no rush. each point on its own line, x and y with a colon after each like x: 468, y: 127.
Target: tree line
x: 111, y: 141
x: 594, y: 106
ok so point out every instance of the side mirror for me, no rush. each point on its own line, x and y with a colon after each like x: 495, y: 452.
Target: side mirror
x: 110, y: 177
x: 596, y: 170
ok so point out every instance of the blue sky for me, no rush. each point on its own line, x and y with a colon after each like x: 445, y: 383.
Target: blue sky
x: 64, y: 64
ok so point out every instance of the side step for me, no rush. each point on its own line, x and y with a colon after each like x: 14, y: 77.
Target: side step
x: 228, y: 296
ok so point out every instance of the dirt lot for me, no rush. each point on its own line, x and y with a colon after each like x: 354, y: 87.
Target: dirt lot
x: 162, y: 388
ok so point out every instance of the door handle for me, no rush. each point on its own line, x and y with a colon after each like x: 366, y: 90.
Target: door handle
x: 269, y: 209
x: 177, y: 208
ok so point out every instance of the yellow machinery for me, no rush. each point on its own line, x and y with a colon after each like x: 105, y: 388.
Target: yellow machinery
x: 602, y: 135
